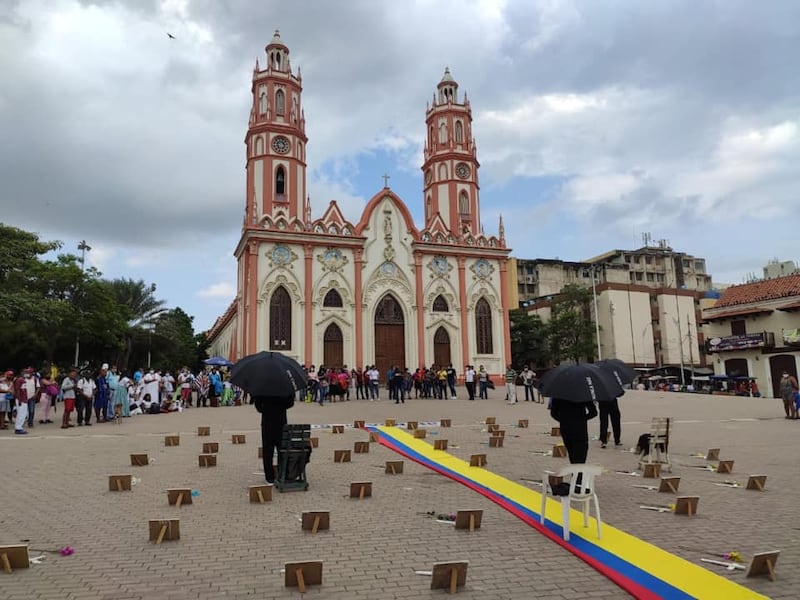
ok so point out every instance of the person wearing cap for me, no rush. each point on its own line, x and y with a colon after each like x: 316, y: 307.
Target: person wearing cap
x: 6, y: 396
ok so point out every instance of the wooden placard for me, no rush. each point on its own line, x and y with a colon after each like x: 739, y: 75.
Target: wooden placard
x: 412, y: 425
x: 763, y: 563
x: 213, y: 448
x: 302, y: 574
x: 499, y: 433
x: 390, y: 422
x: 14, y: 557
x: 374, y: 437
x: 179, y: 497
x: 315, y: 520
x: 164, y: 530
x: 238, y: 438
x: 341, y: 456
x: 490, y: 420
x: 522, y: 423
x: 203, y: 431
x: 449, y: 576
x: 756, y: 482
x: 669, y: 485
x: 359, y: 424
x: 207, y: 460
x: 492, y: 427
x: 725, y: 466
x: 712, y: 454
x: 260, y: 493
x: 361, y: 447
x: 420, y: 434
x: 361, y: 489
x: 172, y: 440
x: 469, y: 519
x: 559, y: 451
x: 445, y: 423
x: 652, y: 471
x: 337, y: 429
x: 394, y: 467
x: 120, y: 483
x: 496, y: 441
x: 686, y: 505
x: 440, y: 444
x: 555, y: 431
x: 314, y: 442
x: 477, y: 460
x: 139, y: 460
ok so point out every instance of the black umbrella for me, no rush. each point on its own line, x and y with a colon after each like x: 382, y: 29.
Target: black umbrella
x: 579, y: 383
x: 621, y: 372
x: 269, y: 374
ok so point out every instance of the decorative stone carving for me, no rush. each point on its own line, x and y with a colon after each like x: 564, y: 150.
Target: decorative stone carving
x: 333, y: 284
x: 482, y: 269
x: 441, y: 290
x: 281, y: 256
x: 483, y: 292
x: 440, y: 267
x: 332, y: 260
x: 290, y: 285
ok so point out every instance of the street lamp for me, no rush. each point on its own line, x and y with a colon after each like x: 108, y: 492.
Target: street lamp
x: 596, y: 314
x: 680, y: 345
x: 84, y: 248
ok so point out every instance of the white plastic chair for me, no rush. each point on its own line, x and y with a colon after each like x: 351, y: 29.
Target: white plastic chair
x: 658, y: 454
x: 584, y: 496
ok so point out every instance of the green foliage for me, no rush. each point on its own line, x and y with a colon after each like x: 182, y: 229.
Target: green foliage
x: 173, y: 340
x: 529, y: 340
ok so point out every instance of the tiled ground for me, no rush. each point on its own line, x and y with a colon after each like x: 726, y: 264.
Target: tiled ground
x: 54, y: 493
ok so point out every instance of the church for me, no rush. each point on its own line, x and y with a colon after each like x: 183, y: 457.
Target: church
x: 381, y: 290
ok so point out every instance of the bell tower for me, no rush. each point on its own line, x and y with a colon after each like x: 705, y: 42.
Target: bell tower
x: 450, y: 168
x: 276, y: 140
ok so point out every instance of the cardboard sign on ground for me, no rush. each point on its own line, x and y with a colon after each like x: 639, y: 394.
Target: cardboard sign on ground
x: 361, y: 489
x: 449, y: 576
x: 14, y: 557
x: 555, y: 431
x: 316, y: 520
x: 492, y: 427
x: 444, y: 422
x: 374, y: 437
x: 420, y: 434
x: 686, y: 505
x: 337, y: 429
x: 207, y: 460
x: 440, y: 444
x: 213, y: 448
x: 412, y: 425
x: 725, y: 466
x: 260, y: 493
x: 669, y: 485
x: 139, y: 460
x: 763, y: 563
x: 652, y: 471
x: 390, y: 422
x: 341, y: 456
x: 490, y: 420
x: 164, y: 530
x: 120, y: 483
x: 469, y: 519
x: 358, y: 424
x: 496, y: 442
x: 756, y: 482
x: 238, y: 438
x: 522, y: 423
x: 559, y: 451
x: 203, y: 431
x: 361, y: 447
x: 499, y: 433
x: 172, y: 440
x: 303, y: 574
x: 314, y: 442
x: 179, y: 497
x: 477, y: 460
x: 712, y: 454
x: 394, y: 467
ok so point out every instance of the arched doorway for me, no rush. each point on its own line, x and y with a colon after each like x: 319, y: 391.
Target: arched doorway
x: 390, y: 335
x: 333, y: 347
x: 777, y: 365
x: 441, y: 347
x: 736, y: 367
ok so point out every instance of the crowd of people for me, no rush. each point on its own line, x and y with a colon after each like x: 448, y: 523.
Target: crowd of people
x: 107, y: 394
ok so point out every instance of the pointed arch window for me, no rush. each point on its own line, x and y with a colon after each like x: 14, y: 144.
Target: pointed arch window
x: 332, y: 299
x: 443, y: 133
x: 280, y: 320
x: 428, y: 208
x: 259, y: 146
x: 459, y: 132
x: 442, y: 172
x: 280, y: 102
x: 440, y: 304
x: 280, y: 184
x: 433, y: 137
x: 463, y: 203
x: 483, y: 327
x: 262, y: 103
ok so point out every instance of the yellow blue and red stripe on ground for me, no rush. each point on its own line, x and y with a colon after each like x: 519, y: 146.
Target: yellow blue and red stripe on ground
x: 640, y: 568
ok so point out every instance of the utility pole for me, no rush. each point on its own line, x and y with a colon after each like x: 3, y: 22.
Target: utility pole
x: 596, y: 315
x: 83, y: 247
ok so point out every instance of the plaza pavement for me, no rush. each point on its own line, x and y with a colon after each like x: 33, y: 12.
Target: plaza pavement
x: 54, y: 494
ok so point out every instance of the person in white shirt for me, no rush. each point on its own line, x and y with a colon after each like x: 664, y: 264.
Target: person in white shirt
x: 374, y: 386
x: 86, y: 390
x: 469, y: 381
x: 151, y: 385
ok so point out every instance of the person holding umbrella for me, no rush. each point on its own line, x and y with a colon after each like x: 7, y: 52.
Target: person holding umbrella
x: 273, y: 418
x: 610, y: 410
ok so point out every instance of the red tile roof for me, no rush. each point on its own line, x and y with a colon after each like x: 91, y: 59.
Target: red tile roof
x: 737, y: 313
x: 760, y: 291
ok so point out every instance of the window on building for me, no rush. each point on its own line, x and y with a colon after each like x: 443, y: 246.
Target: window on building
x: 463, y: 203
x: 428, y: 208
x: 483, y: 327
x: 700, y: 266
x: 440, y: 304
x: 280, y: 102
x: 280, y: 183
x: 638, y: 276
x: 738, y: 327
x: 443, y: 133
x: 636, y: 259
x: 332, y: 299
x: 632, y: 275
x: 660, y: 277
x: 459, y: 132
x: 650, y: 277
x: 648, y: 260
x: 280, y: 320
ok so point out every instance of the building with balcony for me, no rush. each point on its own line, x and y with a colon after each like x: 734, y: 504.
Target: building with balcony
x: 754, y: 330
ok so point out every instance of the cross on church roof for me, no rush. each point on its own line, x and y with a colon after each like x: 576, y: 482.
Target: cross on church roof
x: 386, y: 179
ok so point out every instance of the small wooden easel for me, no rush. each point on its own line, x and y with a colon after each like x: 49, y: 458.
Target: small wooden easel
x: 477, y: 460
x: 165, y: 529
x: 212, y: 448
x: 358, y: 424
x: 315, y: 521
x: 712, y: 454
x: 652, y: 471
x: 559, y: 450
x: 203, y: 431
x: 420, y: 434
x: 444, y: 423
x: 449, y: 576
x: 260, y: 493
x: 207, y: 460
x: 361, y: 489
x: 14, y: 557
x: 686, y: 505
x: 669, y: 485
x: 238, y: 438
x: 120, y: 483
x: 314, y: 442
x: 490, y: 420
x: 469, y: 519
x: 412, y: 425
x: 390, y: 422
x: 440, y: 444
x: 139, y: 460
x: 361, y: 447
x: 763, y: 563
x: 337, y: 429
x: 172, y: 440
x: 374, y: 437
x: 301, y: 574
x: 394, y: 467
x: 179, y: 497
x: 496, y: 441
x: 756, y: 482
x: 725, y: 466
x: 341, y: 456
x: 522, y: 423
x: 492, y: 427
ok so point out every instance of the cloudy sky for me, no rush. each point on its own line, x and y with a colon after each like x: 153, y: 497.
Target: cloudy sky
x: 596, y: 121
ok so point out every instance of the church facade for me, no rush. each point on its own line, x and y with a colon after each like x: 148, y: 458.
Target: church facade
x: 377, y: 291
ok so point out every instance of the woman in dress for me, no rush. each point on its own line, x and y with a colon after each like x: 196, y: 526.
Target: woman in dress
x: 101, y: 399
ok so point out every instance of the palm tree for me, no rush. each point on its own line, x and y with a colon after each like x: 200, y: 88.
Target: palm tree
x: 143, y: 309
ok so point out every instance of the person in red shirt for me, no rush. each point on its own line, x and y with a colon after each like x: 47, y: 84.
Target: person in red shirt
x: 344, y: 382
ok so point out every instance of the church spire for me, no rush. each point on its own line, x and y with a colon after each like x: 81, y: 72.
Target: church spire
x: 501, y: 230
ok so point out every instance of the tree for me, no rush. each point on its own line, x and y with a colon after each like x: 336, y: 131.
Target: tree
x: 529, y: 340
x: 174, y: 339
x: 143, y: 310
x: 571, y: 329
